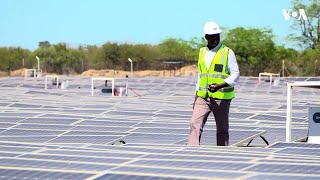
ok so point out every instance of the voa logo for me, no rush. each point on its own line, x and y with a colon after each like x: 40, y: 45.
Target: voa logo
x: 291, y: 13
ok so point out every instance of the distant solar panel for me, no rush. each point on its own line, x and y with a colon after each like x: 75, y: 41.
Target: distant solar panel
x: 135, y: 177
x: 36, y: 174
x: 286, y: 168
x: 179, y: 173
x: 203, y: 165
x: 93, y: 153
x: 24, y: 132
x: 299, y: 145
x: 30, y: 139
x: 146, y: 138
x: 84, y: 139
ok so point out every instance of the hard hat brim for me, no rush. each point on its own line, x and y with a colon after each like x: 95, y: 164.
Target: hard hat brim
x: 213, y: 32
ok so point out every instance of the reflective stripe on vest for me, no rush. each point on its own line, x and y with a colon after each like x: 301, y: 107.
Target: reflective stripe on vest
x: 214, y: 76
x: 216, y: 73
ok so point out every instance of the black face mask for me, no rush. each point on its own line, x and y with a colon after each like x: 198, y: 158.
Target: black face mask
x: 213, y: 40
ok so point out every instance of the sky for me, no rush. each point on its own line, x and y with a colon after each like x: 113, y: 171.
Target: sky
x: 25, y: 23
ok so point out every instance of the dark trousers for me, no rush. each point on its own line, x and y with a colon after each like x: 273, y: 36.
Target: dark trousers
x: 201, y: 111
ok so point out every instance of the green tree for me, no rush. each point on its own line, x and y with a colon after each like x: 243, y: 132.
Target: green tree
x: 254, y: 48
x: 44, y: 44
x: 11, y: 58
x: 310, y: 28
x: 177, y: 49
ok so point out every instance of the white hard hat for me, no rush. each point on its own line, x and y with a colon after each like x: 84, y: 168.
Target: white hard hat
x: 211, y: 28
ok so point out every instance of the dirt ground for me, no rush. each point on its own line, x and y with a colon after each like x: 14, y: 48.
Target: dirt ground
x: 185, y: 71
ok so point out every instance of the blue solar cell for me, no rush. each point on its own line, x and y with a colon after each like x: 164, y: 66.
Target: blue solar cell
x: 302, y: 145
x: 134, y: 177
x: 286, y: 168
x: 94, y: 153
x: 101, y: 128
x: 301, y: 151
x: 163, y: 125
x: 6, y: 125
x: 43, y: 126
x: 11, y: 119
x: 17, y: 149
x: 113, y: 160
x: 64, y: 116
x: 52, y: 165
x: 282, y: 177
x: 160, y: 130
x: 197, y: 157
x: 85, y: 139
x: 153, y: 138
x: 132, y: 149
x: 177, y: 172
x: 221, y: 154
x: 33, y: 174
x: 194, y: 164
x: 8, y: 154
x: 106, y: 133
x: 31, y: 139
x: 114, y: 122
x: 18, y: 105
x: 18, y: 114
x: 24, y: 132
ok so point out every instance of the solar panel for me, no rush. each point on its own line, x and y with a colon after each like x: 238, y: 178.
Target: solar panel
x: 24, y: 132
x: 85, y: 139
x: 135, y: 177
x: 76, y: 159
x: 36, y: 174
x: 17, y: 149
x: 19, y: 114
x: 11, y: 119
x: 114, y: 122
x: 300, y: 151
x: 18, y: 105
x: 8, y: 154
x: 178, y: 173
x: 300, y: 145
x: 295, y: 177
x: 193, y: 164
x: 93, y: 153
x: 161, y: 130
x: 31, y: 139
x: 286, y: 168
x: 72, y: 136
x: 98, y: 128
x: 196, y: 157
x: 51, y: 165
x: 220, y: 154
x: 153, y: 138
x: 105, y: 133
x: 6, y: 125
x: 43, y: 126
x: 132, y: 149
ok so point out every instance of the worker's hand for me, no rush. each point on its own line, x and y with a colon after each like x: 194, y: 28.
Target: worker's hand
x: 214, y: 87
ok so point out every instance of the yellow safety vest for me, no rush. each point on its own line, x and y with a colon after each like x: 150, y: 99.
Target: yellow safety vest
x: 216, y: 73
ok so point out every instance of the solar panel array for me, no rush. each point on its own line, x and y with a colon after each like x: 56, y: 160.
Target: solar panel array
x: 69, y: 134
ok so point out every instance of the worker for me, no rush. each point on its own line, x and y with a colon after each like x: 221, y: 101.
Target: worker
x: 218, y: 72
